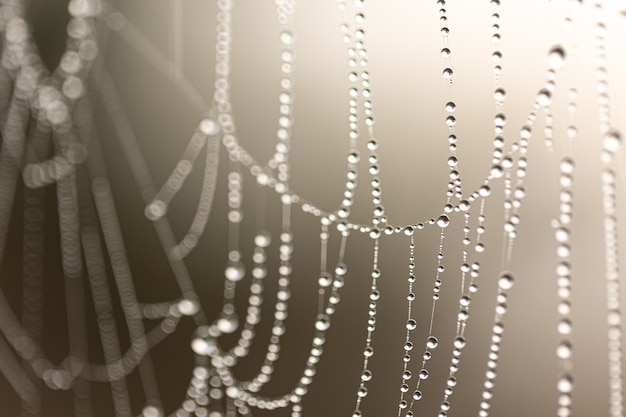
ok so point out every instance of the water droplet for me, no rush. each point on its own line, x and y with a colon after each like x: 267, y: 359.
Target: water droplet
x: 432, y: 342
x: 567, y: 165
x: 450, y: 106
x: 564, y: 326
x: 263, y: 239
x: 366, y: 375
x: 459, y: 342
x: 151, y: 411
x: 155, y: 210
x: 227, y: 323
x: 443, y: 221
x: 445, y: 52
x: 362, y: 392
x: 506, y: 281
x: 411, y: 324
x: 499, y: 94
x: 188, y: 307
x: 544, y: 97
x: 497, y: 171
x: 209, y: 127
x: 406, y: 375
x: 447, y: 73
x: 564, y: 350
x: 325, y: 279
x: 417, y: 395
x: 235, y: 271
x: 322, y: 323
x: 341, y: 269
x: 612, y: 141
x: 423, y: 374
x: 286, y: 37
x: 565, y: 383
x: 203, y: 346
x: 556, y: 57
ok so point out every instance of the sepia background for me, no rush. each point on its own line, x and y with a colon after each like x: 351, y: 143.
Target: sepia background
x: 409, y: 94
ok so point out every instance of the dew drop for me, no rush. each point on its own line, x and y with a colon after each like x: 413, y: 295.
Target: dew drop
x: 227, y: 323
x: 450, y: 106
x: 564, y: 350
x: 565, y: 384
x: 447, y: 73
x: 499, y: 94
x: 325, y: 280
x: 445, y: 52
x: 544, y: 97
x: 263, y: 239
x: 432, y: 342
x: 411, y: 324
x: 322, y: 323
x: 286, y: 37
x: 443, y: 221
x: 341, y: 269
x: 188, y: 307
x: 151, y: 411
x: 506, y: 281
x: 234, y: 271
x: 209, y: 127
x: 459, y: 342
x: 155, y: 210
x: 612, y: 141
x: 423, y: 374
x: 556, y: 57
x: 366, y: 375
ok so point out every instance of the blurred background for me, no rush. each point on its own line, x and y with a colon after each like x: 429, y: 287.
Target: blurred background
x: 409, y: 94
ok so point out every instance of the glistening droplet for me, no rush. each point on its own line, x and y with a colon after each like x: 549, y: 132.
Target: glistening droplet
x: 506, y: 281
x: 443, y: 221
x: 612, y: 141
x: 556, y: 57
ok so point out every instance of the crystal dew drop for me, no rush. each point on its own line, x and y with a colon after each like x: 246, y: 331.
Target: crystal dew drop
x: 443, y: 221
x: 506, y: 281
x: 235, y: 271
x: 556, y: 57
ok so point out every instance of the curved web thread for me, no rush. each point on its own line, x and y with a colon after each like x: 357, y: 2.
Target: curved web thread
x: 507, y: 165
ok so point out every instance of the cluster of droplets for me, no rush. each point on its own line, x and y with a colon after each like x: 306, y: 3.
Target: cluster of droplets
x: 562, y: 236
x: 359, y: 93
x: 285, y: 11
x: 411, y: 325
x: 368, y: 350
x: 157, y: 208
x: 614, y: 313
x: 506, y: 282
x: 454, y: 185
x: 543, y: 99
x: 462, y: 316
x: 50, y: 98
x: 197, y: 399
